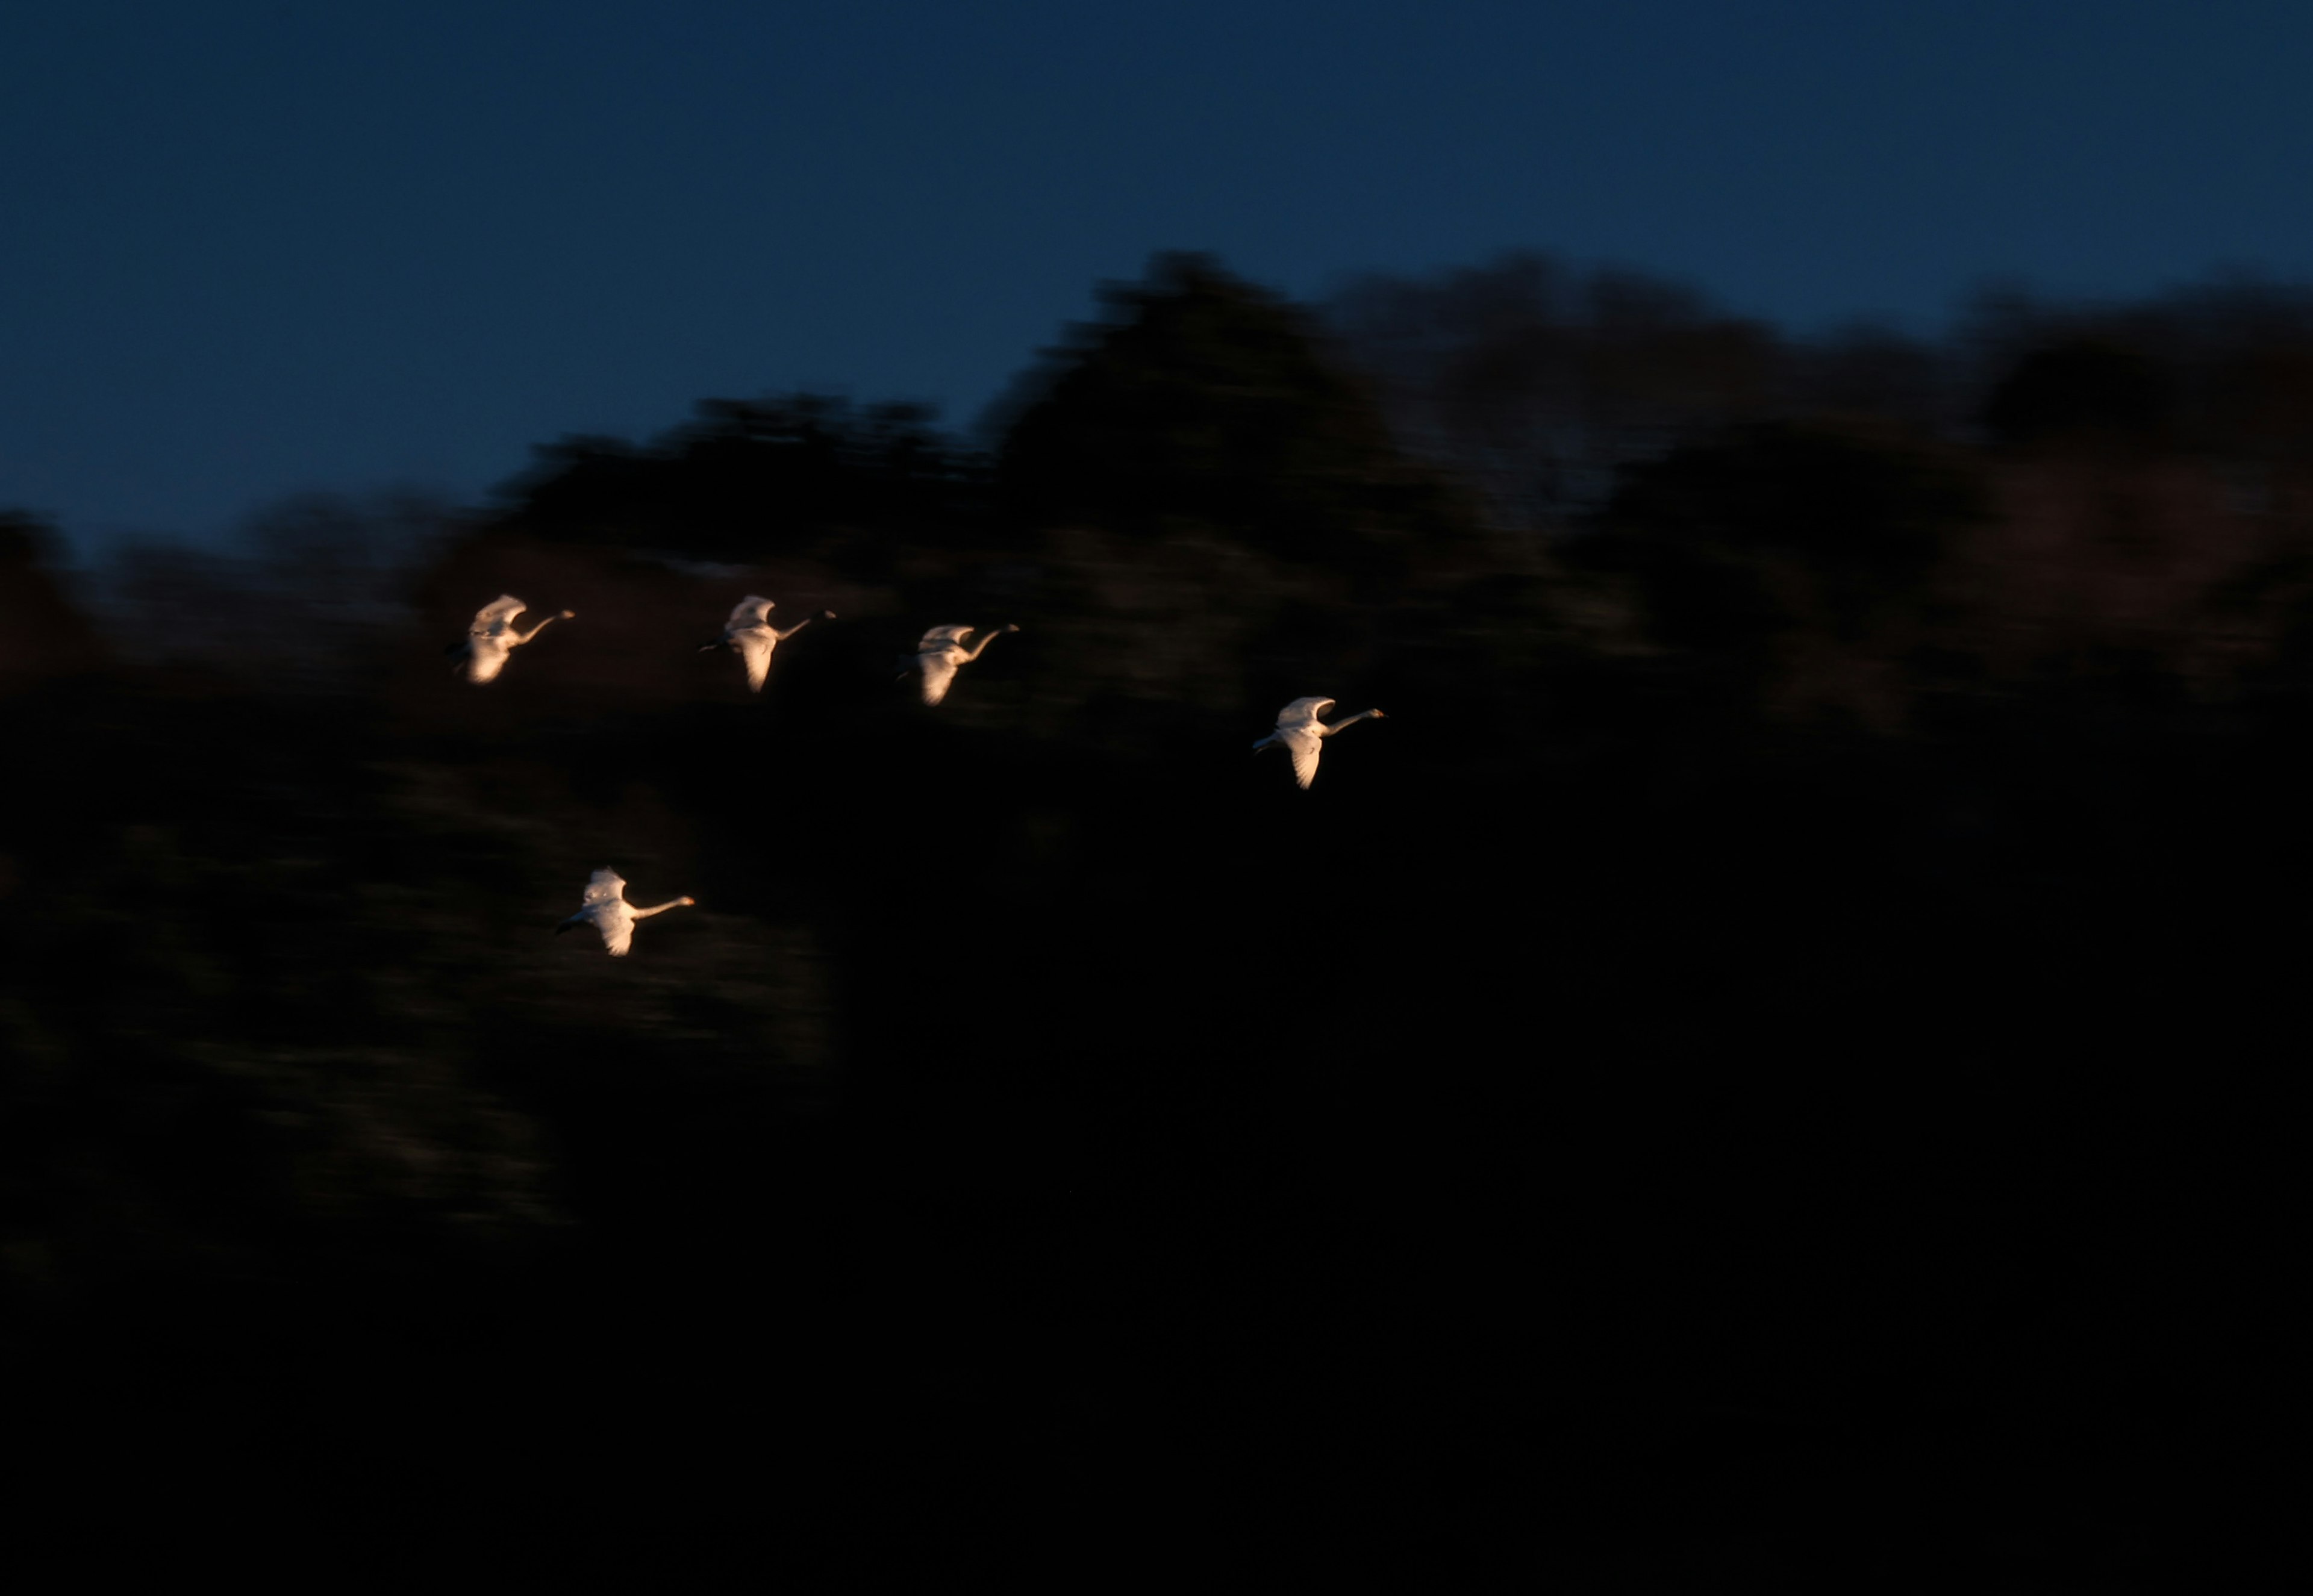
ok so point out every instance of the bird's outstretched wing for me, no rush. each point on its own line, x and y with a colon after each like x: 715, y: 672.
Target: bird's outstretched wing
x: 754, y: 645
x: 751, y: 611
x: 496, y: 616
x: 1305, y: 746
x: 608, y: 886
x: 618, y: 937
x: 1301, y: 712
x: 940, y: 671
x: 941, y: 636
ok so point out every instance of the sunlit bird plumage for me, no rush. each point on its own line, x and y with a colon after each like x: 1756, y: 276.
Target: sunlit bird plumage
x: 749, y: 634
x: 1301, y: 731
x: 605, y: 908
x: 941, y: 654
x: 493, y: 635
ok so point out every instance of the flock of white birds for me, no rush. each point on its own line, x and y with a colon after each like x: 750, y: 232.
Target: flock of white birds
x: 1301, y: 726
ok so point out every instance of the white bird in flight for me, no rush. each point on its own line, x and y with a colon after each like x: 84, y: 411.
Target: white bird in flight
x: 750, y: 634
x: 941, y: 654
x: 493, y: 637
x: 605, y: 908
x: 1301, y: 734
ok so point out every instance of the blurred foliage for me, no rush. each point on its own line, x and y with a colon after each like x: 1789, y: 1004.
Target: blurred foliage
x: 1795, y: 559
x: 1537, y: 383
x: 1797, y: 923
x: 41, y: 635
x: 2080, y: 385
x: 798, y: 470
x: 1203, y: 401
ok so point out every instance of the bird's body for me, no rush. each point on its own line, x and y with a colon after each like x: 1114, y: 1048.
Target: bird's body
x: 749, y: 634
x: 941, y: 654
x: 1301, y: 731
x: 605, y: 908
x: 493, y: 635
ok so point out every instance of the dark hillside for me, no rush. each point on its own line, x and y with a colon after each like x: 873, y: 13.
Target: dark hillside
x: 1766, y: 1057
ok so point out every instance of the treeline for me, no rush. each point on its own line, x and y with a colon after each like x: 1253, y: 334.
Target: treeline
x: 1756, y: 1050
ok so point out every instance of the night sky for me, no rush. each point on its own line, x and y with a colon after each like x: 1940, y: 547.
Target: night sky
x: 248, y: 251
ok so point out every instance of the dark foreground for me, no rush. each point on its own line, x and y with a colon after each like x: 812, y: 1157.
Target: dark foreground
x: 1632, y: 1122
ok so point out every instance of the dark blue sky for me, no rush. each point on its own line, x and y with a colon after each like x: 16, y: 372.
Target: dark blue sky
x: 247, y: 249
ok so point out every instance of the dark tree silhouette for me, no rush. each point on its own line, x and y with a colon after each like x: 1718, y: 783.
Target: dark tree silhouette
x: 1204, y: 400
x: 2081, y: 386
x: 1624, y: 1120
x: 1537, y: 383
x: 41, y: 635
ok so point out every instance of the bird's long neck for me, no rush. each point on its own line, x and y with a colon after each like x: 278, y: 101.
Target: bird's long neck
x: 792, y: 630
x: 645, y: 914
x: 534, y: 631
x: 1342, y: 725
x: 977, y: 647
